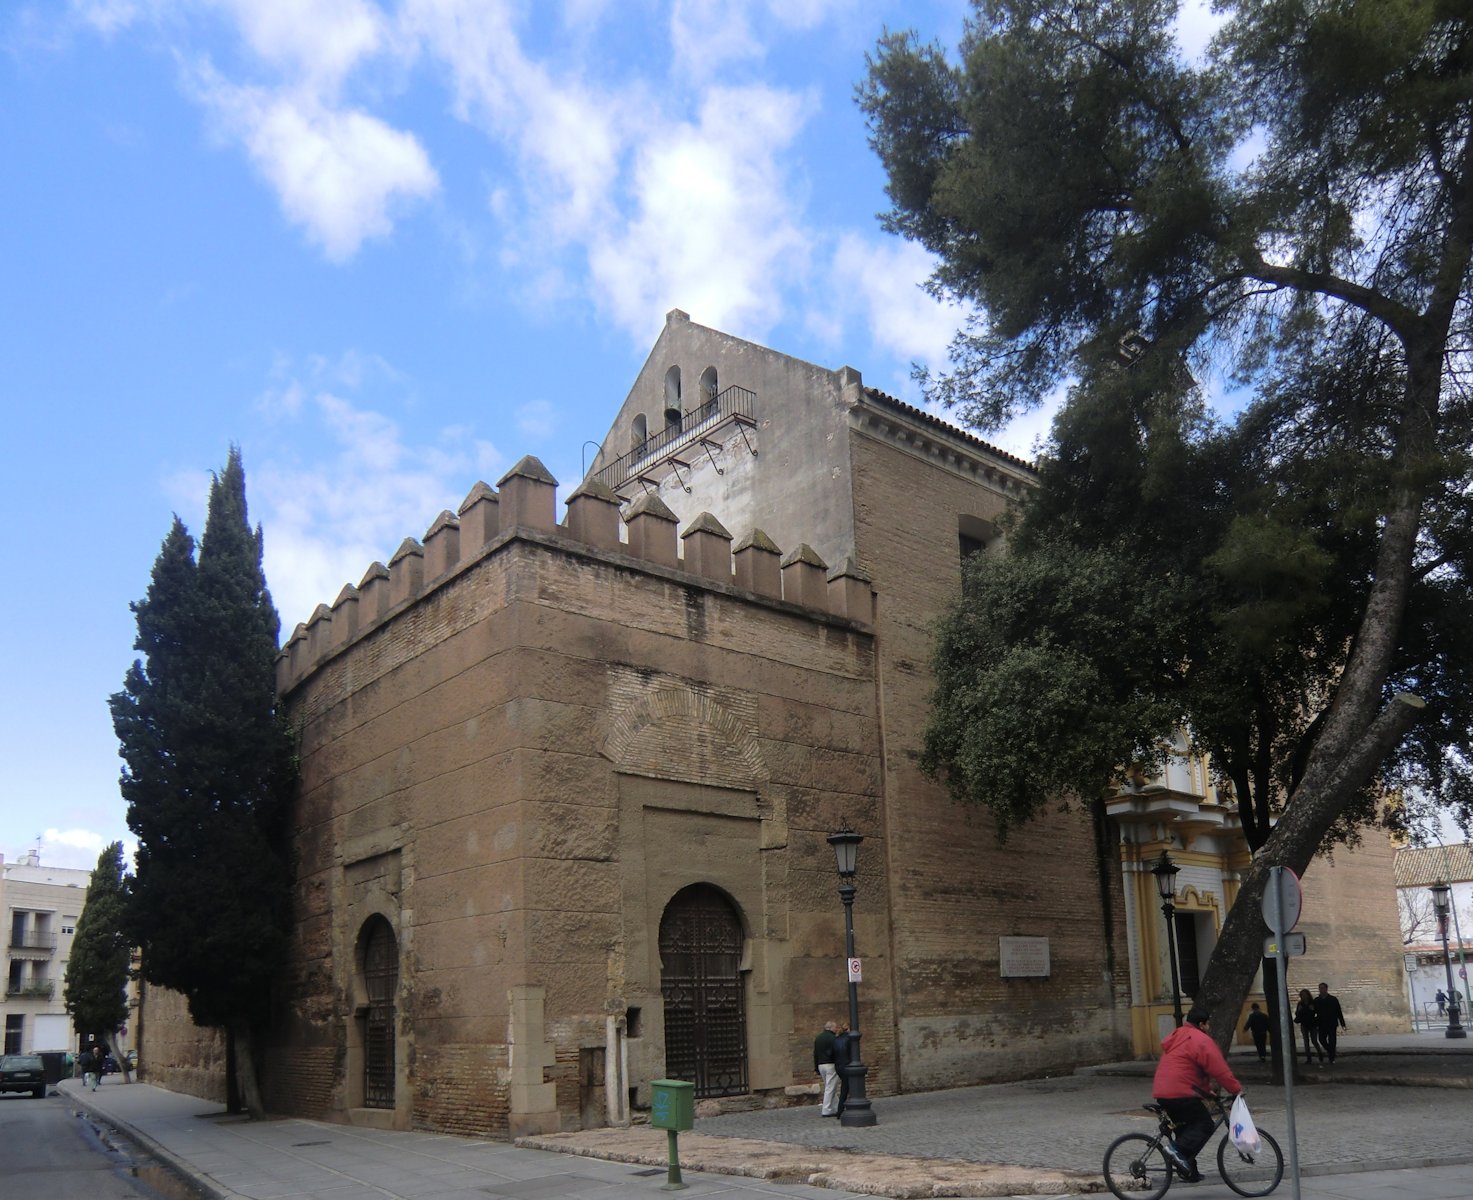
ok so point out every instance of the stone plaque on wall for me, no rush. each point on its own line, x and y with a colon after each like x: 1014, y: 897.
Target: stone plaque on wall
x: 1023, y: 957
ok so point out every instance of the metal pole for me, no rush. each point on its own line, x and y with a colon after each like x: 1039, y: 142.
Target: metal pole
x: 1286, y: 1035
x: 1169, y: 910
x: 1454, y: 997
x: 673, y: 1181
x: 857, y: 1110
x: 1452, y: 900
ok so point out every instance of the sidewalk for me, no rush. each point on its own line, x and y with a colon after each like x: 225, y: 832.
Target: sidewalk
x: 1357, y: 1141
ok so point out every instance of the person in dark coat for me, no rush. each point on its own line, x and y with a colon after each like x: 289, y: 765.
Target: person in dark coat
x: 823, y: 1067
x: 1329, y: 1018
x: 843, y: 1055
x: 1257, y: 1024
x: 1304, y: 1017
x: 1441, y: 1003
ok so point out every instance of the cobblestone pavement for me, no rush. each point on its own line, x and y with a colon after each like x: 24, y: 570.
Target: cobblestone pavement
x: 1371, y: 1110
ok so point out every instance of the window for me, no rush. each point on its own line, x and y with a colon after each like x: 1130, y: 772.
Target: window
x: 974, y: 536
x: 15, y: 1026
x: 639, y: 434
x: 708, y: 385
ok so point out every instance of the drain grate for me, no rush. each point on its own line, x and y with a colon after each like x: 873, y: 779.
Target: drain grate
x: 653, y: 1171
x: 324, y: 1142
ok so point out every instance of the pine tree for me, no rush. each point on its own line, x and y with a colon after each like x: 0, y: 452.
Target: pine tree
x: 209, y: 766
x: 1293, y: 212
x: 96, y: 982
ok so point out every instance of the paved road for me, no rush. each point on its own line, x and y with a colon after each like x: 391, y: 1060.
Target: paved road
x: 49, y: 1151
x: 1350, y: 1133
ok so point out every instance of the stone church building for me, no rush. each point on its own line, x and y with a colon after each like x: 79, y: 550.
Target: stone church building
x: 566, y: 786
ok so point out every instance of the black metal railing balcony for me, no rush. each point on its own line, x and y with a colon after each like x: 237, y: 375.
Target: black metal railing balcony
x: 29, y: 939
x: 30, y: 991
x: 734, y: 403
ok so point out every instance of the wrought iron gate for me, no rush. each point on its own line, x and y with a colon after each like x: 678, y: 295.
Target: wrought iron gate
x: 381, y: 978
x: 705, y: 1001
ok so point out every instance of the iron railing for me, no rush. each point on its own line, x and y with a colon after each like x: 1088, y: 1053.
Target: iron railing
x: 29, y: 939
x: 30, y: 991
x: 733, y: 403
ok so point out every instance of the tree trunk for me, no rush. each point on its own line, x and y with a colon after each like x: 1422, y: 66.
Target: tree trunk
x: 1294, y: 842
x: 121, y: 1059
x: 245, y: 1071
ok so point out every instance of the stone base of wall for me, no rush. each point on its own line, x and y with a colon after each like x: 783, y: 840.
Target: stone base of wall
x: 174, y: 1052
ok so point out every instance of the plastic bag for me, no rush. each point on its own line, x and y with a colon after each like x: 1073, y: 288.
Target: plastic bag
x: 1241, y: 1128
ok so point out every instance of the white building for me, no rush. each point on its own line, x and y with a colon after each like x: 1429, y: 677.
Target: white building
x: 41, y: 907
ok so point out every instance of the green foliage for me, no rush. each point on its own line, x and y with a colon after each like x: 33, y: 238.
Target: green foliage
x: 96, y: 982
x: 1295, y: 209
x: 209, y: 766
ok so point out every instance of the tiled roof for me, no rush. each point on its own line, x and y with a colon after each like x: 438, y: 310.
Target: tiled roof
x: 885, y: 399
x: 1420, y: 866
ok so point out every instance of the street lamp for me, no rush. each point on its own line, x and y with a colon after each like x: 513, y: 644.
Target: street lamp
x: 1454, y: 997
x: 1165, y: 872
x: 857, y: 1110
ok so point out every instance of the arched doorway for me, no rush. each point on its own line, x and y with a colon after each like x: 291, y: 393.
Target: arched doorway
x: 705, y: 998
x: 381, y: 983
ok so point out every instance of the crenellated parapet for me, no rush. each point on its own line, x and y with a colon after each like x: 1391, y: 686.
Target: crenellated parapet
x: 645, y: 531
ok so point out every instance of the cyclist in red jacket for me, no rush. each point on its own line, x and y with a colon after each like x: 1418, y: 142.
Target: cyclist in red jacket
x: 1190, y: 1066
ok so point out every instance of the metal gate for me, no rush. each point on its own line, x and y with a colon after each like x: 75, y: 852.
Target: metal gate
x: 381, y: 978
x: 705, y: 1002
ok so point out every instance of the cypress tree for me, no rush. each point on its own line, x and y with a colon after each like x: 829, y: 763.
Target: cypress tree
x: 96, y: 984
x: 209, y: 766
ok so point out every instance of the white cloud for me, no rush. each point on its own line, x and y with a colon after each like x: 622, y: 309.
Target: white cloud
x: 326, y: 519
x: 318, y: 41
x: 708, y: 34
x: 700, y: 191
x: 337, y: 173
x: 879, y: 282
x: 107, y: 16
x: 537, y: 419
x: 77, y: 839
x: 1196, y: 22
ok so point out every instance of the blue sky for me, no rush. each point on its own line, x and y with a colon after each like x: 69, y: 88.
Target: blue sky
x: 388, y: 247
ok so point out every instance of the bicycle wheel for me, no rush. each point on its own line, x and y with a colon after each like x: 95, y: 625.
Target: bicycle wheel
x: 1251, y: 1174
x: 1136, y: 1169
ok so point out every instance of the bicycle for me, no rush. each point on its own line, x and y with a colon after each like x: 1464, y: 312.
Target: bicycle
x: 1136, y: 1166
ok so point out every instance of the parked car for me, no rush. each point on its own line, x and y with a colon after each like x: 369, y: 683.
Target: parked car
x: 109, y: 1065
x: 23, y: 1073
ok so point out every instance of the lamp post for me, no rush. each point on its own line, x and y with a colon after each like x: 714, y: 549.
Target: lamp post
x: 1454, y: 997
x: 857, y: 1110
x: 1165, y: 872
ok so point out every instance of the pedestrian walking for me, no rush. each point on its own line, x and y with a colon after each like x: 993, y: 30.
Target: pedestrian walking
x: 92, y: 1068
x: 843, y: 1056
x: 823, y: 1066
x: 1304, y: 1017
x: 1441, y: 1003
x: 1329, y: 1018
x: 1258, y: 1025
